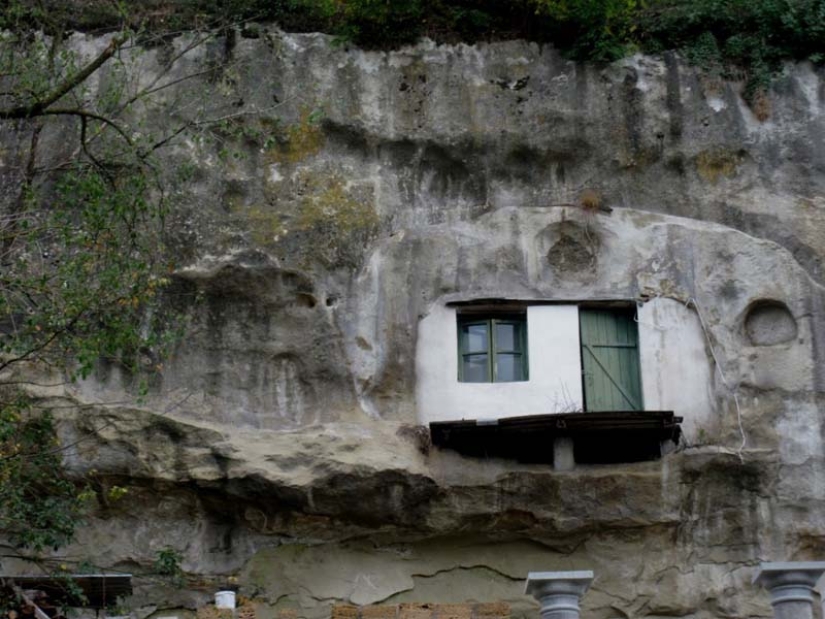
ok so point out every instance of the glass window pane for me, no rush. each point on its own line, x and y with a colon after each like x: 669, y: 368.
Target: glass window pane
x: 507, y: 336
x: 476, y: 338
x: 509, y: 368
x: 475, y: 369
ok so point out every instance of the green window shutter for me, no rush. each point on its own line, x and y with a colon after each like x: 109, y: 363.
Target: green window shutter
x: 610, y: 360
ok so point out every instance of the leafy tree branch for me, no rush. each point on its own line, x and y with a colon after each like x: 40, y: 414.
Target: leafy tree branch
x: 41, y: 104
x: 82, y: 255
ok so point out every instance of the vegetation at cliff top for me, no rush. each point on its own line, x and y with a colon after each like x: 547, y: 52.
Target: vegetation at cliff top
x: 745, y: 39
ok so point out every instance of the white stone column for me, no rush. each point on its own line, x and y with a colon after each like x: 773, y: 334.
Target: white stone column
x: 791, y: 587
x: 820, y: 589
x: 563, y: 458
x: 559, y: 593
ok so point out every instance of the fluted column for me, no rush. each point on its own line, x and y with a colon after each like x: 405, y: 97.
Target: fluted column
x: 791, y: 587
x: 559, y: 593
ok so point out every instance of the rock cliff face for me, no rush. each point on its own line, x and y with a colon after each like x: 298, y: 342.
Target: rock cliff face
x: 349, y: 194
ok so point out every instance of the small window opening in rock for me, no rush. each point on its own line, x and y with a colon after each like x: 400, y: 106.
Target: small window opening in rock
x: 304, y: 299
x: 769, y: 322
x: 332, y: 300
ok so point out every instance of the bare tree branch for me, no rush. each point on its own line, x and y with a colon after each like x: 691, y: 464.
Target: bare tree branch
x: 66, y: 86
x: 89, y: 115
x: 38, y: 612
x: 61, y: 448
x: 42, y: 345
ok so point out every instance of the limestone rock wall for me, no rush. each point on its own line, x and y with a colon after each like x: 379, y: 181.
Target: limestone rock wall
x: 354, y: 191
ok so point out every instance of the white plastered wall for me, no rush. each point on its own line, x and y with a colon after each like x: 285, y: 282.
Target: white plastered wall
x: 676, y: 371
x: 554, y: 361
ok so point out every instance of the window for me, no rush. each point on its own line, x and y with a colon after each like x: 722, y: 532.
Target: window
x: 492, y: 349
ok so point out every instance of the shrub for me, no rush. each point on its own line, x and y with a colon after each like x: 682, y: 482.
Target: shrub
x: 747, y: 36
x: 600, y: 30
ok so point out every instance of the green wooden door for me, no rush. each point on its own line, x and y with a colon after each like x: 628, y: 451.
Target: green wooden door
x: 610, y: 360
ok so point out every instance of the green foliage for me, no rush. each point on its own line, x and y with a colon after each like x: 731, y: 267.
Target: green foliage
x: 81, y: 256
x: 368, y: 23
x: 167, y: 564
x: 371, y: 22
x: 39, y: 507
x: 738, y: 37
x: 81, y: 252
x: 78, y: 277
x: 52, y: 15
x: 734, y: 37
x: 600, y: 30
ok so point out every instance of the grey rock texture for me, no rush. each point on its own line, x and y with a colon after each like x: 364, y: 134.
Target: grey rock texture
x: 279, y: 442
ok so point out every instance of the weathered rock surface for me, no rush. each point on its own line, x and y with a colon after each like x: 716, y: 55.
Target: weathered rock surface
x: 279, y: 442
